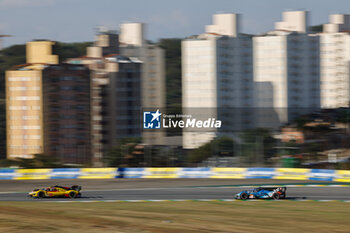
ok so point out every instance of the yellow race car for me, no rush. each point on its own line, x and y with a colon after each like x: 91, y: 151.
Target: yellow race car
x: 57, y: 191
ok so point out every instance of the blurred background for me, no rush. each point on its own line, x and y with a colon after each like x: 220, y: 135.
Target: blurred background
x: 282, y: 95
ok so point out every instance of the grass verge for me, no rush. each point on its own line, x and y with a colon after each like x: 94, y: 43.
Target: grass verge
x: 187, y: 216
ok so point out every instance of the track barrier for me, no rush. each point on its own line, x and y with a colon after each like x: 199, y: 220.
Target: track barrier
x: 201, y: 172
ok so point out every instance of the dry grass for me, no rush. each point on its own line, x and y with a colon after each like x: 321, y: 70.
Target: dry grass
x: 242, y: 216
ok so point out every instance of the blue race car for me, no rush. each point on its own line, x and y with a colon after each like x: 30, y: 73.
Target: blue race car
x: 263, y: 193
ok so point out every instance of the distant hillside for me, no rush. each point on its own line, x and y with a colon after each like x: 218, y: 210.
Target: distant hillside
x: 10, y: 56
x: 316, y: 28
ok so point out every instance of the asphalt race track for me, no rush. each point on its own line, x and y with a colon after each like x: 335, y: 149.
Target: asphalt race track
x: 166, y: 189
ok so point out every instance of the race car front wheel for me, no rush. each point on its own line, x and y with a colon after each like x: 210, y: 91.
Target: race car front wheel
x: 41, y: 194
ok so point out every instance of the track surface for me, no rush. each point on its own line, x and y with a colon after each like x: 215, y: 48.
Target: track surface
x: 165, y: 189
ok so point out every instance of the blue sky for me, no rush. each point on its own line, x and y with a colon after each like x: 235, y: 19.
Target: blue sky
x: 76, y: 20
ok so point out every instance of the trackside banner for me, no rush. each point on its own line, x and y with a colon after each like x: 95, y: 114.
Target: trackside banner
x: 7, y: 174
x: 161, y: 172
x: 201, y: 172
x: 65, y: 173
x: 228, y: 173
x: 322, y: 174
x: 32, y: 174
x: 260, y: 173
x: 292, y: 173
x: 98, y: 173
x: 342, y: 176
x: 133, y: 172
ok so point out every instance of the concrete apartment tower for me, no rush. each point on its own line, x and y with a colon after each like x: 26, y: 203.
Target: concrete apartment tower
x: 293, y: 21
x: 48, y: 107
x: 335, y: 62
x: 286, y: 71
x: 66, y: 113
x: 133, y: 44
x: 106, y: 42
x: 24, y: 102
x: 217, y: 78
x: 132, y: 34
x: 224, y: 24
x: 115, y: 94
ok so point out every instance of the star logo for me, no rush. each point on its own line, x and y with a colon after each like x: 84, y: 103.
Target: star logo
x: 156, y: 115
x: 151, y: 120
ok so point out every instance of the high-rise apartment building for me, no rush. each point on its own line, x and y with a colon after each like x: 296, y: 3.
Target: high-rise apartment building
x: 217, y: 78
x: 66, y: 113
x: 48, y: 107
x: 106, y: 42
x: 286, y: 71
x: 115, y: 97
x: 132, y: 34
x: 24, y: 102
x: 335, y: 62
x: 123, y: 102
x: 293, y: 21
x: 133, y: 44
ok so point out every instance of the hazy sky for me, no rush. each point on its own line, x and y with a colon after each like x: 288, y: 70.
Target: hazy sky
x: 76, y: 20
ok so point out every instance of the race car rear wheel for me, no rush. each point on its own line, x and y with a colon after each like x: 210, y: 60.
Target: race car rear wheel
x: 41, y: 195
x: 244, y: 196
x: 72, y: 195
x: 275, y: 196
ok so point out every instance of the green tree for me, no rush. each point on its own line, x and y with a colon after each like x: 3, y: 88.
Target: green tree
x: 8, y: 163
x: 343, y: 116
x: 125, y: 153
x: 257, y: 144
x: 222, y: 146
x: 70, y: 50
x: 38, y: 161
x: 316, y: 28
x: 302, y: 121
x: 200, y: 154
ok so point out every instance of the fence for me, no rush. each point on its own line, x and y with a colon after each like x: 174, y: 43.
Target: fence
x: 218, y: 173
